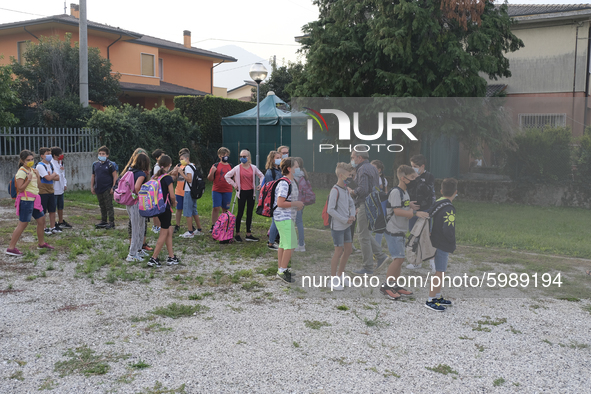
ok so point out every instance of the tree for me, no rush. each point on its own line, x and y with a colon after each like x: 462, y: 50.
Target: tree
x: 364, y: 48
x: 279, y: 80
x: 48, y: 81
x: 8, y: 97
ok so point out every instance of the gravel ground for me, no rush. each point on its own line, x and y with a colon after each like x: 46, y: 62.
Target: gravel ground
x: 259, y: 341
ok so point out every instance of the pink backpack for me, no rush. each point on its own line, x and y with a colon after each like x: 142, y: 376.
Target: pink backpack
x: 223, y: 229
x: 125, y: 189
x: 151, y: 199
x: 307, y: 196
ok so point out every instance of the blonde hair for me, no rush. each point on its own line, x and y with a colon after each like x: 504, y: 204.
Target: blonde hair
x: 343, y: 167
x: 223, y: 150
x: 271, y: 160
x: 404, y: 170
x: 249, y: 156
x: 282, y: 147
x: 133, y: 157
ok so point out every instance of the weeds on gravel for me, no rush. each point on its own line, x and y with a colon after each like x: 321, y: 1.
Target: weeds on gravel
x: 174, y: 310
x: 31, y: 277
x: 137, y: 319
x: 140, y: 365
x: 128, y: 378
x: 388, y: 373
x: 159, y: 389
x: 514, y: 330
x: 157, y: 327
x: 48, y: 384
x: 268, y: 270
x: 201, y: 296
x: 315, y: 324
x: 442, y: 369
x: 587, y: 308
x: 29, y: 256
x: 479, y: 347
x: 86, y: 361
x: 252, y: 285
x: 343, y: 308
x: 488, y: 322
x: 295, y: 344
x: 18, y: 375
x: 375, y: 322
x: 498, y: 382
x: 80, y: 245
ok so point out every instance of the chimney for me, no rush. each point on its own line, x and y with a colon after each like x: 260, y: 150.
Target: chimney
x: 75, y: 10
x: 187, y: 38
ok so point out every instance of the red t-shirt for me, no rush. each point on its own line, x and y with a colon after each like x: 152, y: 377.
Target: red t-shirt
x: 246, y: 180
x: 220, y: 184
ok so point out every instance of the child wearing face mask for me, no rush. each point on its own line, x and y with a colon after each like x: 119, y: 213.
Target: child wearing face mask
x: 48, y: 176
x: 305, y: 189
x: 383, y: 185
x: 272, y: 174
x: 221, y: 193
x: 60, y: 186
x: 102, y: 183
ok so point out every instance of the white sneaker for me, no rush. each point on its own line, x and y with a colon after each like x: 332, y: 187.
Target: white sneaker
x: 197, y: 232
x: 432, y: 262
x: 131, y: 258
x: 56, y: 230
x: 413, y: 266
x: 335, y: 282
x: 345, y: 281
x: 187, y: 235
x: 301, y: 248
x: 155, y: 229
x: 142, y: 253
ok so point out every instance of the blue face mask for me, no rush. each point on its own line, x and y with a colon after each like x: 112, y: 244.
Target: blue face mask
x: 284, y: 156
x: 102, y: 158
x: 277, y: 162
x: 353, y: 163
x: 48, y: 157
x: 243, y: 160
x: 348, y: 181
x: 298, y: 173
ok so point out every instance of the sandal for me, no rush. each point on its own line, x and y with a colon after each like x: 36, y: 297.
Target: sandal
x: 402, y: 291
x: 389, y: 292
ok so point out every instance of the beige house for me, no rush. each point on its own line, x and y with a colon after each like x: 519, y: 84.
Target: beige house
x: 242, y: 92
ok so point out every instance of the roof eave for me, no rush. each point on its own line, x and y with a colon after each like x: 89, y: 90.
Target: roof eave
x: 554, y: 16
x: 227, y: 59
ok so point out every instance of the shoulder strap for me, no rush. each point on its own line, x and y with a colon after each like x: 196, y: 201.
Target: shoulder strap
x: 445, y: 204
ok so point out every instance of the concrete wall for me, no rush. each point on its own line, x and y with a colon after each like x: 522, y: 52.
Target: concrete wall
x: 78, y: 168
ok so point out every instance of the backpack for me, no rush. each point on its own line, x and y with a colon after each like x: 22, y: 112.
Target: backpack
x: 374, y: 209
x: 125, y: 189
x: 307, y: 195
x: 418, y: 245
x: 422, y: 194
x: 151, y: 199
x: 198, y: 188
x: 223, y: 229
x: 216, y: 168
x: 52, y: 171
x: 267, y: 197
x: 326, y: 218
x: 12, y: 188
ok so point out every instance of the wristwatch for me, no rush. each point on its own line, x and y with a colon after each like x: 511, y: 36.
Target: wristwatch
x: 414, y: 213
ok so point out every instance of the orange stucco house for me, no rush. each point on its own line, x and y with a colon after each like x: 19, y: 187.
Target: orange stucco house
x: 153, y: 71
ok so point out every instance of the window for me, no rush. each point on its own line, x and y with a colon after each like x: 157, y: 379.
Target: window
x: 147, y: 64
x: 21, y: 48
x: 542, y: 120
x: 160, y: 69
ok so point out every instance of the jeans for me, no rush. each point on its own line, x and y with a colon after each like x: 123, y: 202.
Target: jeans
x: 369, y: 245
x: 300, y: 225
x: 441, y: 260
x: 379, y: 237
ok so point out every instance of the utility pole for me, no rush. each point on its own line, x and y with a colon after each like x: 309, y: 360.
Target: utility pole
x: 83, y: 40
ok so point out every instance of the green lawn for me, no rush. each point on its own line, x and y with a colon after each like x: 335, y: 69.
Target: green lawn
x: 550, y: 230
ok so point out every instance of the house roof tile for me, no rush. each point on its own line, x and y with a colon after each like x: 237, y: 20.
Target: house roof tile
x: 163, y: 88
x: 537, y: 9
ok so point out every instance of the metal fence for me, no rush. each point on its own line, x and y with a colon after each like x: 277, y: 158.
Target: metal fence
x: 15, y: 139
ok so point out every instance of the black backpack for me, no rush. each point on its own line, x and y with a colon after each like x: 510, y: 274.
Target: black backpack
x: 197, y: 188
x: 422, y: 193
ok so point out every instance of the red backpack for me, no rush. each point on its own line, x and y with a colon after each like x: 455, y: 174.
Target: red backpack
x: 326, y: 218
x: 267, y: 197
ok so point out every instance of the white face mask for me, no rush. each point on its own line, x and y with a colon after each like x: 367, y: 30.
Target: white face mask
x: 284, y: 156
x: 416, y: 170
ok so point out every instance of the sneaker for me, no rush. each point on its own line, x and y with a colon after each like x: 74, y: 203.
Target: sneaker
x: 110, y: 226
x: 362, y: 272
x: 155, y: 229
x: 285, y: 276
x: 172, y: 260
x: 237, y: 238
x: 273, y: 246
x: 434, y: 306
x: 56, y: 230
x: 413, y: 266
x: 101, y: 224
x: 48, y: 231
x: 210, y: 231
x: 57, y: 227
x: 337, y: 284
x: 142, y: 253
x: 187, y: 235
x: 389, y: 292
x: 251, y: 238
x: 176, y: 229
x: 14, y: 252
x: 301, y: 248
x: 198, y: 232
x: 147, y: 248
x: 402, y: 291
x: 442, y: 301
x: 45, y: 246
x: 154, y: 262
x: 355, y: 250
x: 132, y: 258
x: 65, y: 224
x: 346, y: 281
x: 432, y: 263
x: 381, y: 263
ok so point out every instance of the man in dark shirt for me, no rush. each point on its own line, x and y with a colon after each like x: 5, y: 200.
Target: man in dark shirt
x: 102, y: 183
x: 367, y: 180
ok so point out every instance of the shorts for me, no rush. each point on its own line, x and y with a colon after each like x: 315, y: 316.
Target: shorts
x: 26, y: 210
x: 180, y: 200
x: 165, y: 218
x: 287, y: 234
x: 59, y: 202
x: 189, y: 206
x: 441, y: 260
x: 341, y: 237
x: 221, y: 199
x: 395, y: 245
x: 48, y: 202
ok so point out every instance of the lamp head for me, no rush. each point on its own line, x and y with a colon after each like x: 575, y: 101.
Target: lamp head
x: 258, y: 72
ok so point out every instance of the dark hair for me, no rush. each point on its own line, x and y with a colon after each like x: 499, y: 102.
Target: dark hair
x: 43, y: 150
x: 141, y: 163
x: 157, y: 153
x: 23, y: 156
x: 56, y: 151
x: 448, y: 187
x: 164, y: 161
x: 379, y: 165
x: 104, y: 149
x: 300, y: 162
x: 419, y: 160
x: 363, y: 155
x: 285, y: 164
x: 136, y: 152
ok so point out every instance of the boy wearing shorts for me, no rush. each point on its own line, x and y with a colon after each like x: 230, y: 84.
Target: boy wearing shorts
x: 400, y: 210
x: 341, y: 209
x: 59, y: 186
x: 48, y: 176
x: 221, y: 193
x: 189, y: 204
x: 443, y: 238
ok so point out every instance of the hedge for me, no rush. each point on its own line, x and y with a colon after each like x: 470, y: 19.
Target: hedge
x: 207, y: 112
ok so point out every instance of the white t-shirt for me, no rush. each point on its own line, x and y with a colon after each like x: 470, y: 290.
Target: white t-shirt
x: 189, y: 170
x: 58, y: 186
x: 385, y: 180
x: 156, y: 168
x: 281, y: 214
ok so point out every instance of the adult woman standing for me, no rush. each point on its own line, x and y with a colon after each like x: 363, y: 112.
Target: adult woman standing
x: 242, y: 178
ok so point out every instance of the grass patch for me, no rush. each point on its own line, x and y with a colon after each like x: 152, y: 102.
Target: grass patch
x: 498, y: 382
x: 48, y: 384
x: 443, y: 369
x: 315, y: 324
x: 343, y: 308
x: 18, y: 375
x: 252, y: 285
x: 140, y: 365
x: 175, y: 311
x: 488, y: 322
x: 201, y: 296
x: 296, y: 344
x: 31, y: 277
x: 160, y: 389
x: 86, y: 361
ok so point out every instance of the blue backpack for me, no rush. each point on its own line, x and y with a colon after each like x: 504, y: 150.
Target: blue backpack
x: 12, y: 188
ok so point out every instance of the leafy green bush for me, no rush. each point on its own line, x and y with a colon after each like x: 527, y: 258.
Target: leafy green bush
x: 583, y: 156
x: 541, y: 155
x: 123, y: 129
x: 207, y: 112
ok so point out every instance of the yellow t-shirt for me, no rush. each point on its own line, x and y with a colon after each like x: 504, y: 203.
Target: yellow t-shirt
x: 31, y: 187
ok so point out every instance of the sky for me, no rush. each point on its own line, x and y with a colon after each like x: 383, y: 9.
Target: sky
x: 265, y: 28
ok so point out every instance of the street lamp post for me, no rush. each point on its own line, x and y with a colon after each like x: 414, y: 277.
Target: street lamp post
x: 258, y: 73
